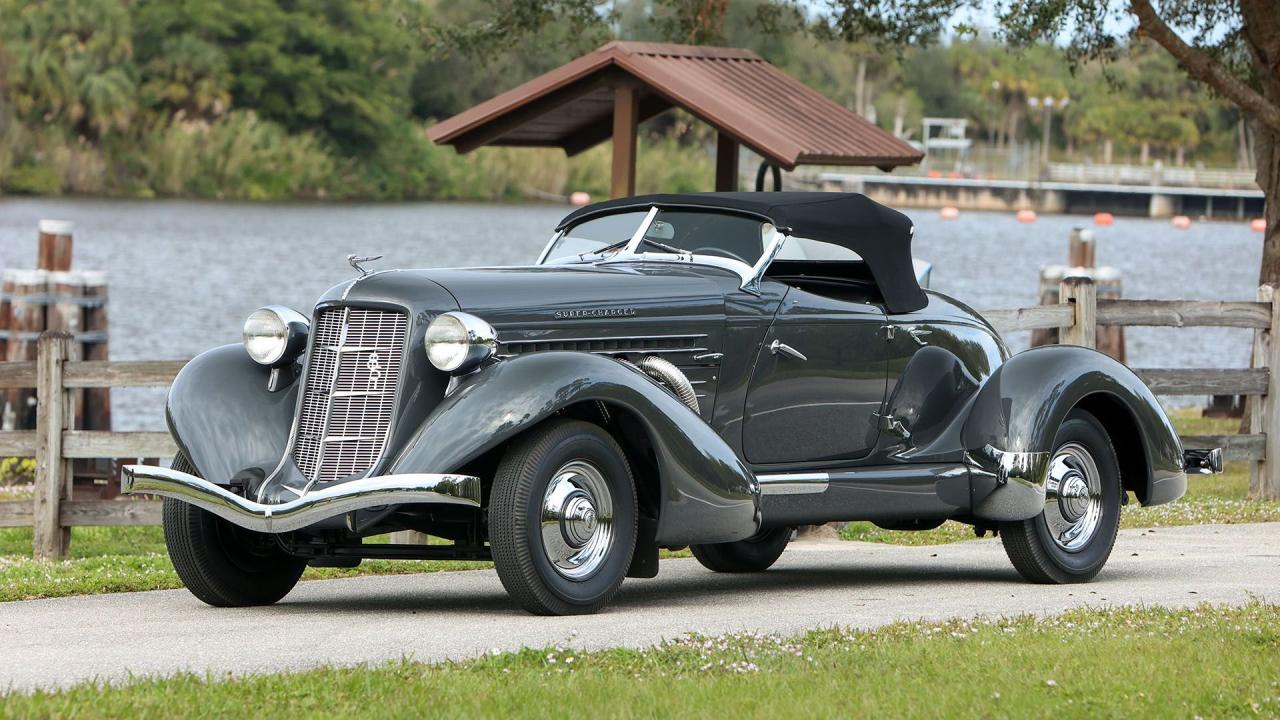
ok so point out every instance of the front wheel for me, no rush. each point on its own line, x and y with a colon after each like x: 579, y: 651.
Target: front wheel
x: 755, y: 554
x: 562, y: 519
x: 1071, y: 539
x: 223, y: 564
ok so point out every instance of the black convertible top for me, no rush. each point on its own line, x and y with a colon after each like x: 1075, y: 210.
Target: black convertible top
x: 880, y: 235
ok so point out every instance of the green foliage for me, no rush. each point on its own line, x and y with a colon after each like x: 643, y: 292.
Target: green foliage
x: 274, y: 99
x: 337, y: 67
x: 17, y: 471
x: 33, y: 180
x: 69, y: 63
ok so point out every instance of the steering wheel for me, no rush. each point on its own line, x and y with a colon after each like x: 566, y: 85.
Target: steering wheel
x: 721, y: 252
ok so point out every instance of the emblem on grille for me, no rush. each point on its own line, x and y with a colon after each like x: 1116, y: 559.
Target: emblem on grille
x: 374, y: 366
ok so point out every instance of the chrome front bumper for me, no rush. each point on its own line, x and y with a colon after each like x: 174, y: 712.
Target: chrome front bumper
x: 310, y: 508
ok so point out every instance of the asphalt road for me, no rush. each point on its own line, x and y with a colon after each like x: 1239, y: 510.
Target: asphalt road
x: 430, y: 617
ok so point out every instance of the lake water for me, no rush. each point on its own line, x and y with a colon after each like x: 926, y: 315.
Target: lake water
x: 183, y: 275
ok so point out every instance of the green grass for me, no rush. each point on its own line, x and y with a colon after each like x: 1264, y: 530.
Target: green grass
x: 1209, y: 499
x: 1207, y: 661
x: 129, y: 559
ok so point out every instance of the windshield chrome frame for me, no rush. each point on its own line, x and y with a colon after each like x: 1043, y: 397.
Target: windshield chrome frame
x: 749, y: 275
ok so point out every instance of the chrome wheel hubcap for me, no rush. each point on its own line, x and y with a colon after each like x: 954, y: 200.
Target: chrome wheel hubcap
x: 1073, y: 499
x: 577, y: 520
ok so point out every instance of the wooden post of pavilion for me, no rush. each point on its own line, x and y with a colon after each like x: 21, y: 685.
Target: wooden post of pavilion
x: 626, y: 121
x: 726, y: 162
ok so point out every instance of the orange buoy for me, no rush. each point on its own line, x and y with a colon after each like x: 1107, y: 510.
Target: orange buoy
x: 934, y: 174
x: 578, y: 199
x: 1026, y: 216
x: 1182, y: 222
x: 949, y: 212
x: 1103, y: 218
x: 1258, y: 225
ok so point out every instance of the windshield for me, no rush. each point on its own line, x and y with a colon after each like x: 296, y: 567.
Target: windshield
x: 594, y: 235
x: 700, y: 232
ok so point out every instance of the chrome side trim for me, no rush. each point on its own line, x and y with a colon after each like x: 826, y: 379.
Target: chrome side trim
x: 605, y: 338
x: 308, y: 509
x: 793, y: 483
x: 692, y: 346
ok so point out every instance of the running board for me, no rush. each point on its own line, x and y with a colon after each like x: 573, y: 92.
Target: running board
x: 892, y: 492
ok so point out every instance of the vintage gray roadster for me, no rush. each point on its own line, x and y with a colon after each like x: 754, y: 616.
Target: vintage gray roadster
x: 707, y: 370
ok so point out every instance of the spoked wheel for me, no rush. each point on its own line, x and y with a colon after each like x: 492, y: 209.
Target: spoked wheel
x: 223, y: 564
x: 754, y: 554
x: 562, y: 519
x: 1072, y: 538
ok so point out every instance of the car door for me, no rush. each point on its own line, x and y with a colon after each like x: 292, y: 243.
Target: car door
x: 819, y: 382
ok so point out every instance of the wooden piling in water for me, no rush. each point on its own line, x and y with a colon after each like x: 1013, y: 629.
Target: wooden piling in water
x: 26, y: 322
x: 1081, y: 249
x: 1108, y: 283
x: 97, y: 401
x: 54, y: 249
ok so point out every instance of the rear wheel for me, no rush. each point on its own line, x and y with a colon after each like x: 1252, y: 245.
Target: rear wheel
x: 754, y: 554
x: 562, y: 519
x: 1072, y: 538
x: 223, y: 564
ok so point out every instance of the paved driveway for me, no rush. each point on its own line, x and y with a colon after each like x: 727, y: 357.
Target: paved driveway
x: 463, y: 614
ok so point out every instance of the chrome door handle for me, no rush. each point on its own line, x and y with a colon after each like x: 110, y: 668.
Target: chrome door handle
x: 777, y: 347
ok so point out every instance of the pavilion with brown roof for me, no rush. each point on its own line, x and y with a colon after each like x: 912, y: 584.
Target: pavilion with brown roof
x: 605, y: 94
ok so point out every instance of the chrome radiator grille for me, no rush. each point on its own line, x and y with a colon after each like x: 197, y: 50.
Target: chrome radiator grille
x: 349, y: 392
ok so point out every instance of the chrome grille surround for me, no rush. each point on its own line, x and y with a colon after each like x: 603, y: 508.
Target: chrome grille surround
x: 349, y: 392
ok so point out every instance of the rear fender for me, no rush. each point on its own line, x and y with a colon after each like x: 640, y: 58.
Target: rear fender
x: 1010, y: 429
x: 224, y: 419
x: 707, y: 494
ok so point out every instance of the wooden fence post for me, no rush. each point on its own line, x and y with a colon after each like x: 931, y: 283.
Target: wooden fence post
x: 1264, y: 410
x: 50, y: 540
x: 1081, y: 292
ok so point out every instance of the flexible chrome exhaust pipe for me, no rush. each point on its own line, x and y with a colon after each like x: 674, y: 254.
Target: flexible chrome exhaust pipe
x: 309, y: 509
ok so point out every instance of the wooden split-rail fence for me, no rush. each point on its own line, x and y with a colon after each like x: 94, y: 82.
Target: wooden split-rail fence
x: 56, y: 377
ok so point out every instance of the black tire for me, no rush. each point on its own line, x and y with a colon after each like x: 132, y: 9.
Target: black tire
x: 222, y: 564
x: 755, y: 554
x: 1030, y: 544
x: 520, y: 554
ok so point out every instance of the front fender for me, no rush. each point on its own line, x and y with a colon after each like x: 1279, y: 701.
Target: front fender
x: 224, y: 419
x: 1010, y: 428
x: 707, y: 494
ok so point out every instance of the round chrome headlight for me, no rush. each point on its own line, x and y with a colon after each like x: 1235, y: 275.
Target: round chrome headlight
x: 275, y: 335
x: 457, y: 342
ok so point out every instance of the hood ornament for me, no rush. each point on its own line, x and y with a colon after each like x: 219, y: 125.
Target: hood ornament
x: 356, y: 260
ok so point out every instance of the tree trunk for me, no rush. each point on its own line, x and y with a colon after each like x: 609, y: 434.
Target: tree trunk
x: 1146, y: 153
x: 860, y: 89
x: 1108, y: 150
x: 1181, y: 156
x: 1266, y: 148
x: 1242, y: 151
